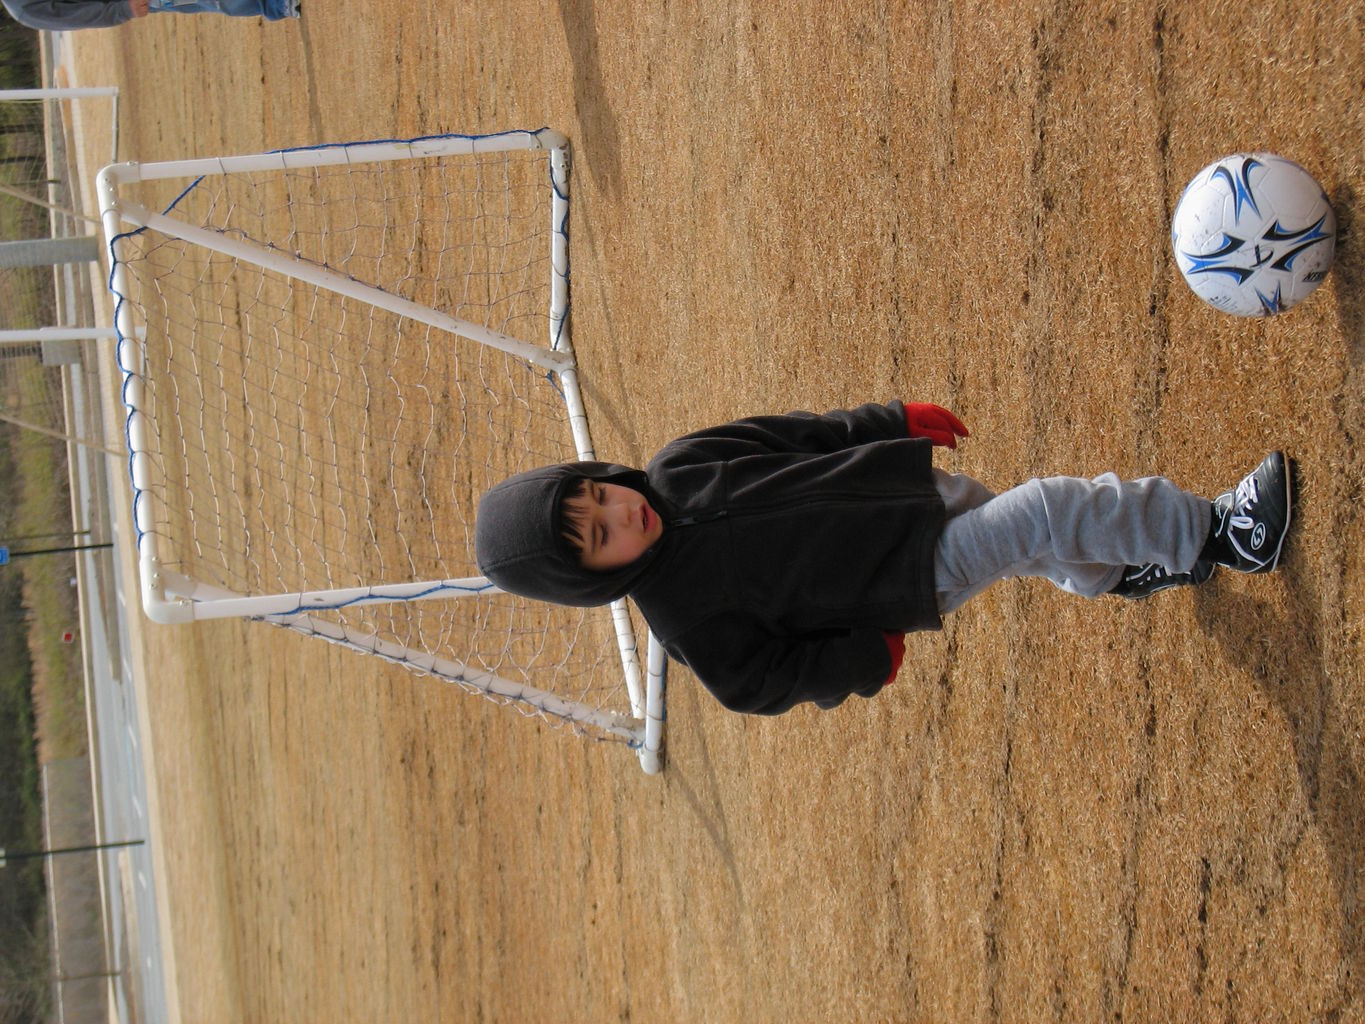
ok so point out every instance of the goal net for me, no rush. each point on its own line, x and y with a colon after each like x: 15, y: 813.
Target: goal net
x: 329, y: 354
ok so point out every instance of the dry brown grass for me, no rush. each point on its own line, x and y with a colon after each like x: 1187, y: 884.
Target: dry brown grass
x: 1062, y: 810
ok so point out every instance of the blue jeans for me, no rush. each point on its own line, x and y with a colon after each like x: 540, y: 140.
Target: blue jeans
x: 271, y: 10
x: 1077, y: 533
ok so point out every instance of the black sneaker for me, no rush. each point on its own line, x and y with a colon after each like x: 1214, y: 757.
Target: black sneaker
x: 1139, y: 581
x: 1251, y: 521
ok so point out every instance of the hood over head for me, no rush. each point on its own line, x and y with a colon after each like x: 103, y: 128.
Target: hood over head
x: 519, y: 545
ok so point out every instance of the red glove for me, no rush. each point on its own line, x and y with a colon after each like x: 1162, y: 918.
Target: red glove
x: 895, y: 646
x: 934, y: 422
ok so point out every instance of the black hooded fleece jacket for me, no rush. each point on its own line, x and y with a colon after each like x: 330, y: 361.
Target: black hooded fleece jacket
x: 790, y: 544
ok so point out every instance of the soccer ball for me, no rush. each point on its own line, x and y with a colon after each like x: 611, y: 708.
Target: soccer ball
x: 1253, y: 234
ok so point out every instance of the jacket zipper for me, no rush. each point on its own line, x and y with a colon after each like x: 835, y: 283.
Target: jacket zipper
x: 705, y: 517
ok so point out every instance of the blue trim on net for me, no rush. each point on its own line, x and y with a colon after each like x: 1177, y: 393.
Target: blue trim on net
x: 420, y: 138
x: 440, y: 588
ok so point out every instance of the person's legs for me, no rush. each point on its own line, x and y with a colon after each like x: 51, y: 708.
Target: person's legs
x: 960, y: 493
x: 271, y: 10
x: 1080, y: 534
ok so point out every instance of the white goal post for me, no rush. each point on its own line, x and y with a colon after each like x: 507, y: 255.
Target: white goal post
x: 328, y: 354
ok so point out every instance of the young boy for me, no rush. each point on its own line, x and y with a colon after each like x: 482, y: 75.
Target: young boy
x: 783, y: 558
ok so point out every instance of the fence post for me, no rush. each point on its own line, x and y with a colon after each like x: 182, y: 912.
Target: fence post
x: 41, y: 252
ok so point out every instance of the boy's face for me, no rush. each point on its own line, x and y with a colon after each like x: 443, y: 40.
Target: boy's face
x: 611, y: 525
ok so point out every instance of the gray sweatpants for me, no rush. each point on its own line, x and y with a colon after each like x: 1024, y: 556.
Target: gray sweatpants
x: 1077, y: 533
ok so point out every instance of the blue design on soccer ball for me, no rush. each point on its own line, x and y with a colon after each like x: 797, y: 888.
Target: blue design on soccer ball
x: 1211, y: 262
x: 1239, y: 185
x: 1271, y: 303
x: 1304, y: 239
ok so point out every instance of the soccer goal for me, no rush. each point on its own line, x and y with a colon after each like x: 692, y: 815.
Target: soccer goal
x: 329, y: 354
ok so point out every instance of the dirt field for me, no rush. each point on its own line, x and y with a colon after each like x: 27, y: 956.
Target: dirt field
x: 1062, y: 810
